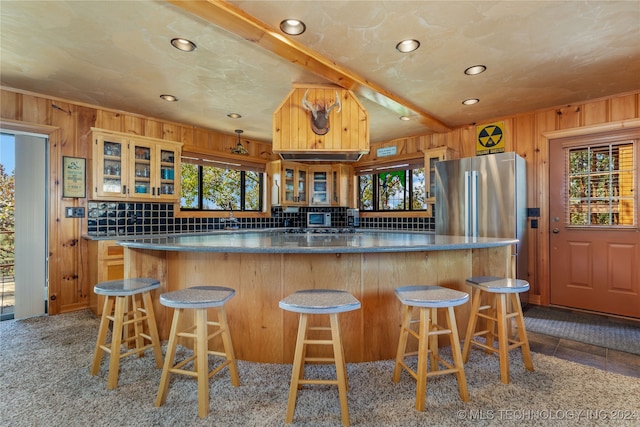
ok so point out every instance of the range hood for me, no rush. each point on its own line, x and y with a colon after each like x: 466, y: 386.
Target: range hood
x: 321, y: 157
x: 320, y: 123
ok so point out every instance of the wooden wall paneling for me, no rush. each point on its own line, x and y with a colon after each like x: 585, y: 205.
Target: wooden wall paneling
x: 110, y: 120
x: 596, y: 112
x: 524, y: 144
x: 624, y: 107
x: 10, y: 105
x: 569, y: 116
x: 73, y: 293
x: 56, y: 297
x: 133, y: 125
x: 86, y: 118
x: 40, y: 110
x: 544, y: 122
x: 187, y: 135
x: 171, y: 132
x: 153, y: 128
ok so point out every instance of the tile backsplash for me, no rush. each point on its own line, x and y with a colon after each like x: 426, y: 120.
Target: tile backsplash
x: 131, y: 219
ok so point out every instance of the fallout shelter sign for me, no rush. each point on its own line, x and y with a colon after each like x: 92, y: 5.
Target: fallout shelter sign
x: 490, y: 138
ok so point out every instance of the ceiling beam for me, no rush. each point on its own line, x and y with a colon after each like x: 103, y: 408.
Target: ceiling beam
x: 236, y: 21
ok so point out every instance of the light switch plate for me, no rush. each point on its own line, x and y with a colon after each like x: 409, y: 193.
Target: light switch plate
x: 74, y: 212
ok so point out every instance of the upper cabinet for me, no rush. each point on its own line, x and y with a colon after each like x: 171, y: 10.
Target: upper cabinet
x: 342, y: 185
x: 320, y: 186
x: 288, y: 181
x: 127, y: 167
x: 299, y: 184
x: 431, y: 157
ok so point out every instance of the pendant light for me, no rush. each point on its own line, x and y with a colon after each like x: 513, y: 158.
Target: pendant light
x: 239, y: 148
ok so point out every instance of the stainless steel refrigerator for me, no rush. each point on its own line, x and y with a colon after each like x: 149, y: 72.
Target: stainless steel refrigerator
x: 484, y: 196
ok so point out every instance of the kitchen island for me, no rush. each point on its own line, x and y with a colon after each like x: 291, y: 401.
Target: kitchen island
x: 265, y: 266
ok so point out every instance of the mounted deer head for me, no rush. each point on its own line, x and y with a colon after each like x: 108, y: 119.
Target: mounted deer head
x: 320, y: 113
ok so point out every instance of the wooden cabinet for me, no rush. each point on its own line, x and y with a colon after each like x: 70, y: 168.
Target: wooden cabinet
x: 106, y: 262
x: 342, y: 185
x: 297, y: 184
x: 431, y: 157
x: 321, y: 180
x: 288, y: 181
x: 126, y: 167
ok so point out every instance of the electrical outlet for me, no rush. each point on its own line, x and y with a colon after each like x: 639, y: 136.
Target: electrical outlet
x: 74, y: 212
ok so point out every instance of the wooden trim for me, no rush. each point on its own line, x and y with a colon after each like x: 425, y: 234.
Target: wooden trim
x: 589, y: 130
x: 381, y: 161
x: 545, y: 242
x: 27, y: 127
x: 237, y: 21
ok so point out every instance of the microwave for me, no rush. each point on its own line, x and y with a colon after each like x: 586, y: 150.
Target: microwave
x: 318, y: 219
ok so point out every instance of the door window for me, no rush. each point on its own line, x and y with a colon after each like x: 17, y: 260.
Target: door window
x: 600, y: 185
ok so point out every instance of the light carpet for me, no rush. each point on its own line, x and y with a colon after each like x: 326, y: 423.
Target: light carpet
x: 600, y: 330
x: 45, y: 381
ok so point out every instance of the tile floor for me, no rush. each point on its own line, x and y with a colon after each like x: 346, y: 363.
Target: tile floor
x: 598, y: 357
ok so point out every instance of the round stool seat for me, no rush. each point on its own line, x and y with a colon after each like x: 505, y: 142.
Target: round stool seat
x: 498, y: 285
x: 126, y: 287
x: 320, y: 301
x: 430, y: 296
x: 197, y: 297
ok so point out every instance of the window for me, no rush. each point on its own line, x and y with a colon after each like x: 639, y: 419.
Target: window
x: 600, y: 185
x: 398, y: 186
x: 216, y: 185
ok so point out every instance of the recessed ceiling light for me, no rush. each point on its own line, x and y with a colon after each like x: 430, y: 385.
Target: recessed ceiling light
x: 293, y: 27
x: 406, y: 46
x: 169, y: 98
x: 470, y: 101
x: 475, y: 69
x: 183, y: 44
x: 405, y: 118
x: 234, y: 115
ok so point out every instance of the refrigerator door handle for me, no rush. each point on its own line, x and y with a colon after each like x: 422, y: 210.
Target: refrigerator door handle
x: 467, y: 207
x: 474, y: 203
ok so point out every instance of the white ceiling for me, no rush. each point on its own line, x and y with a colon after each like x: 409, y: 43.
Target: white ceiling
x: 538, y: 54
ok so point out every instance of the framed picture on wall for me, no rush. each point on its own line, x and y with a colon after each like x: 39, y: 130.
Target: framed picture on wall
x: 74, y: 177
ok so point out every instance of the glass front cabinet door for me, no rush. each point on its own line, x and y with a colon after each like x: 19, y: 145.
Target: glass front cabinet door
x: 295, y: 184
x: 320, y: 185
x: 169, y: 173
x: 142, y: 159
x: 135, y: 168
x: 110, y: 163
x: 431, y: 157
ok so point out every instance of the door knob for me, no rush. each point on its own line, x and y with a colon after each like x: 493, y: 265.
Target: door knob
x: 556, y: 231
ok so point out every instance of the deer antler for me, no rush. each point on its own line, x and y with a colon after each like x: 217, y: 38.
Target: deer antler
x: 308, y: 106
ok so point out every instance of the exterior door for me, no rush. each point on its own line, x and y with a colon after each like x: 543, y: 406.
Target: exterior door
x: 593, y: 207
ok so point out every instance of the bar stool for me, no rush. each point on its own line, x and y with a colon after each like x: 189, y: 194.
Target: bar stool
x: 319, y: 301
x: 500, y: 292
x: 123, y: 295
x: 428, y: 299
x: 198, y: 298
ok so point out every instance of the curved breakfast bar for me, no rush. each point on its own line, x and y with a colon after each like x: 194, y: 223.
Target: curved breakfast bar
x: 265, y: 266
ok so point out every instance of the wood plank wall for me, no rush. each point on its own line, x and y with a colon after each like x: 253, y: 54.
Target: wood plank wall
x: 524, y: 134
x: 68, y: 126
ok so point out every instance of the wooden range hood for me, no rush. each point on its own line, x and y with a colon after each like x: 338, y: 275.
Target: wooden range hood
x: 294, y: 137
